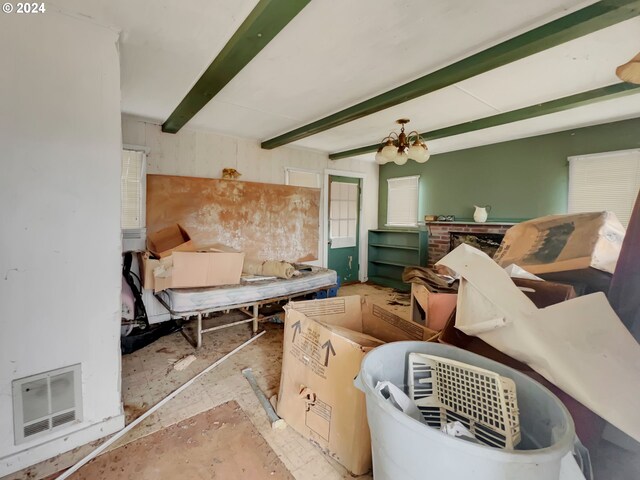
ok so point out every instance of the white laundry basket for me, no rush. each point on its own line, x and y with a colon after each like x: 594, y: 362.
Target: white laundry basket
x: 404, y: 448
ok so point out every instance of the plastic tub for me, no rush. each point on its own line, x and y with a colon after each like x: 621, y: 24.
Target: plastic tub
x: 404, y: 448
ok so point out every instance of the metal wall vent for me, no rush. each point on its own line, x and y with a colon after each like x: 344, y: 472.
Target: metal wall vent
x: 37, y: 427
x: 46, y: 402
x: 63, y: 418
x: 134, y: 239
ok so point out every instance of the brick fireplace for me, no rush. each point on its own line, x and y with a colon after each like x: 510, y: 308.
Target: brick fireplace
x: 440, y: 238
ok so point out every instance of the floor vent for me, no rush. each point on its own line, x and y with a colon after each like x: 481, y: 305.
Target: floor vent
x: 45, y: 402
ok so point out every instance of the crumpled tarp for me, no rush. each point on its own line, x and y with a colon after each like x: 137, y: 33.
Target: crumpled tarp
x: 580, y: 345
x: 430, y: 279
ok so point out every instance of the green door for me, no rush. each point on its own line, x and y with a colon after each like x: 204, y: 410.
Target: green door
x: 344, y: 227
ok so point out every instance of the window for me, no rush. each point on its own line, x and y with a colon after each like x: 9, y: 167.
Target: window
x: 606, y: 181
x: 343, y: 214
x: 302, y: 178
x: 402, y: 201
x: 133, y: 189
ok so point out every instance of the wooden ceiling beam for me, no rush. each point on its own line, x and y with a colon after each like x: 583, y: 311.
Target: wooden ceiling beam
x: 264, y: 22
x: 594, y: 17
x: 558, y: 105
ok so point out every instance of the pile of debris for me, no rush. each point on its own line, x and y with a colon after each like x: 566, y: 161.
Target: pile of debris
x: 537, y: 308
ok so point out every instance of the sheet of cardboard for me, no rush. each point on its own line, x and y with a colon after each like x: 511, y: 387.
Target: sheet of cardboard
x: 580, y: 344
x: 563, y: 242
x: 324, y: 343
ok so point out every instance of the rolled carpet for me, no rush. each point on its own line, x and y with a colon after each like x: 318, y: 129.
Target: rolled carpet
x: 269, y: 268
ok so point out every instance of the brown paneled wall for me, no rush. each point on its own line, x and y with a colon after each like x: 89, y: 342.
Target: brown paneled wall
x: 267, y: 221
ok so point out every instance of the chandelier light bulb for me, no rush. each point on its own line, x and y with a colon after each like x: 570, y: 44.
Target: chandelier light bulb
x: 419, y: 153
x: 380, y: 158
x: 389, y: 152
x: 401, y: 157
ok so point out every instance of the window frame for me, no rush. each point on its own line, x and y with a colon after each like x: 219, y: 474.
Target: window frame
x: 288, y: 170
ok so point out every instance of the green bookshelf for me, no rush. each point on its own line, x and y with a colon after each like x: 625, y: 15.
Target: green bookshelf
x: 392, y: 250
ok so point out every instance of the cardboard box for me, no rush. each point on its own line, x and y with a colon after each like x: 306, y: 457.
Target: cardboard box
x: 168, y: 240
x: 148, y: 266
x: 431, y: 309
x: 434, y: 310
x: 207, y: 267
x: 559, y: 243
x: 324, y: 343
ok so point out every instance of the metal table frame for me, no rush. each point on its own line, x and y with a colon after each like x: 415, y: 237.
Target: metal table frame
x: 243, y: 307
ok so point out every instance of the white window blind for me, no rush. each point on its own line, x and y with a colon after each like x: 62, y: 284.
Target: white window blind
x: 132, y: 190
x: 607, y: 181
x: 302, y: 178
x: 402, y: 201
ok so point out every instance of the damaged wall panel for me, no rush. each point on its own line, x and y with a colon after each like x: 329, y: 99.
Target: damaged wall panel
x: 267, y: 221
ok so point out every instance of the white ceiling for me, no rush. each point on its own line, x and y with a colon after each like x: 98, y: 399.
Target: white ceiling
x: 580, y: 65
x: 165, y: 45
x: 336, y: 53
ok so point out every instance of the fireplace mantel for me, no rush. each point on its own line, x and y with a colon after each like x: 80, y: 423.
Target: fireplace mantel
x: 471, y: 222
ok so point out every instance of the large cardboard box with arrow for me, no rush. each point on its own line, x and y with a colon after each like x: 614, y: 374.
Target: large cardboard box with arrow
x: 324, y: 343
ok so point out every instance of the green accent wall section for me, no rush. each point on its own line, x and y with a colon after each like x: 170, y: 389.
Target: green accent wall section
x: 263, y: 23
x: 520, y: 179
x: 587, y: 20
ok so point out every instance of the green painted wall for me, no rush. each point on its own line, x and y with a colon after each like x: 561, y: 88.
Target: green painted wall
x: 520, y: 179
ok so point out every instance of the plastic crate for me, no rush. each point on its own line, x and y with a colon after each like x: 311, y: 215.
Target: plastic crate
x: 483, y: 401
x: 319, y: 295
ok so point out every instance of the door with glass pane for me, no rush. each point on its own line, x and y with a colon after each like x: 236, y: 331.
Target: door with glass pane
x: 344, y: 225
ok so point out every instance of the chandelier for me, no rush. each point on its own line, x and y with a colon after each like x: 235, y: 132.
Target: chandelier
x: 398, y: 148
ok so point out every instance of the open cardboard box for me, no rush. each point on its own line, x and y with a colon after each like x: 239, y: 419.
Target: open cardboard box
x: 148, y: 265
x: 431, y: 309
x: 205, y: 267
x: 324, y: 343
x: 434, y: 310
x: 168, y: 240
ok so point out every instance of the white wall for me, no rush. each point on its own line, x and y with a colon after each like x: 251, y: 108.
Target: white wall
x: 205, y: 154
x: 60, y: 220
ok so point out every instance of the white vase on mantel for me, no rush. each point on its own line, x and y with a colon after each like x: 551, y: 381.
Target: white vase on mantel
x: 481, y: 213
